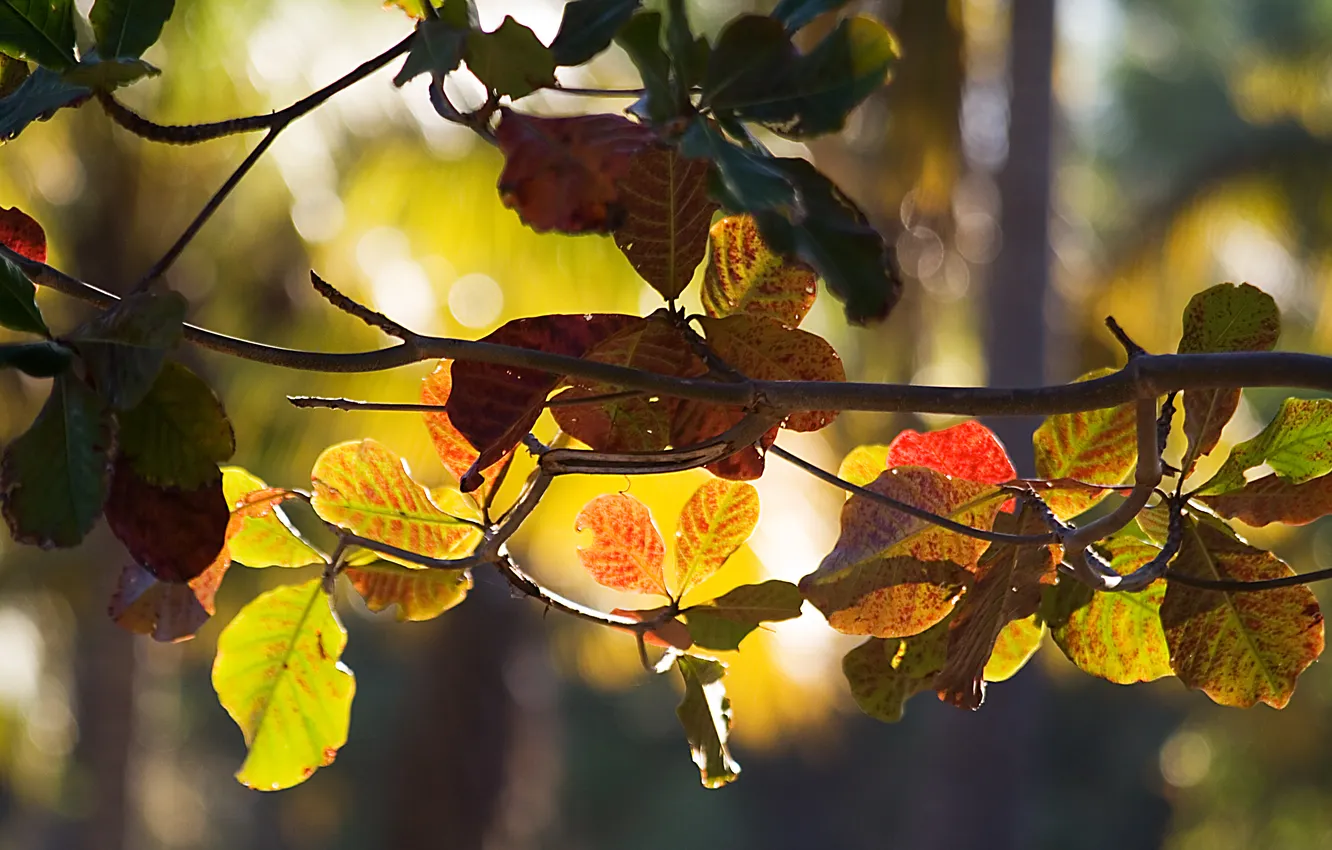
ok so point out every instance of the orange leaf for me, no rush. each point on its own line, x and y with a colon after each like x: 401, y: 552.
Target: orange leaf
x: 564, y: 173
x: 420, y: 593
x: 665, y: 232
x: 716, y: 521
x: 20, y: 233
x: 452, y: 447
x: 627, y: 551
x: 745, y: 276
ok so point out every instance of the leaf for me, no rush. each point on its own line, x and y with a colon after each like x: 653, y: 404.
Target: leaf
x: 765, y: 350
x: 1238, y: 648
x: 1296, y: 444
x: 744, y: 275
x: 627, y: 551
x: 564, y: 173
x: 511, y: 61
x: 419, y: 592
x: 166, y: 611
x: 1007, y: 589
x: 278, y: 675
x: 368, y: 490
x: 1271, y: 499
x: 178, y: 433
x: 452, y: 447
x: 495, y: 406
x: 863, y: 464
x: 39, y: 97
x: 109, y: 74
x: 125, y: 346
x: 638, y: 423
x: 259, y: 533
x: 1116, y: 636
x: 689, y: 55
x: 641, y: 40
x: 20, y: 233
x: 437, y: 49
x: 670, y: 634
x: 705, y: 714
x: 967, y: 450
x: 747, y: 181
x: 886, y: 672
x: 588, y: 27
x: 43, y: 359
x: 1224, y: 318
x: 18, y: 301
x: 725, y: 621
x: 697, y: 422
x: 53, y: 479
x: 126, y: 28
x: 752, y: 53
x: 40, y: 31
x: 795, y: 14
x: 892, y: 575
x: 667, y: 213
x: 1094, y: 446
x: 714, y: 523
x: 174, y: 533
x: 1016, y: 644
x: 12, y: 74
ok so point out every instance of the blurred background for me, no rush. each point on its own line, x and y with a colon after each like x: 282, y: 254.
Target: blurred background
x: 1039, y: 164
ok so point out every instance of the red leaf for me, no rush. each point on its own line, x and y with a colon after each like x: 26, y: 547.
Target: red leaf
x: 168, y: 611
x: 627, y: 551
x: 671, y: 633
x: 21, y: 234
x: 494, y: 406
x: 454, y: 451
x: 563, y: 173
x: 175, y: 534
x: 969, y: 450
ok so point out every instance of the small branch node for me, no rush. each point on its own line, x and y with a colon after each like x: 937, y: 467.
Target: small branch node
x: 1131, y: 348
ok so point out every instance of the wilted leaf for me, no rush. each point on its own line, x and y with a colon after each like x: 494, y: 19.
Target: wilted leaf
x: 886, y: 672
x: 167, y: 611
x: 178, y: 433
x: 588, y: 27
x: 20, y: 233
x: 172, y: 532
x: 764, y: 350
x: 705, y: 714
x: 37, y: 98
x: 511, y: 61
x: 1224, y: 318
x: 437, y: 49
x: 968, y: 450
x: 367, y: 489
x: 278, y: 675
x: 725, y: 621
x: 564, y: 173
x: 1272, y: 499
x: 420, y: 593
x: 892, y: 575
x: 1116, y: 636
x: 745, y: 276
x: 716, y: 521
x: 125, y: 346
x: 1016, y: 644
x: 1094, y: 446
x: 44, y: 359
x: 494, y: 406
x: 452, y: 447
x: 1296, y: 444
x: 667, y: 213
x: 627, y: 551
x: 53, y: 479
x: 1239, y: 648
x: 40, y: 31
x: 863, y: 464
x: 259, y: 533
x: 126, y: 28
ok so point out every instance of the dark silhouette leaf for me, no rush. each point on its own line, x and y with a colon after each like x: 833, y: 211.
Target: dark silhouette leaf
x: 588, y: 27
x: 44, y: 359
x: 40, y: 31
x: 438, y: 49
x: 796, y: 13
x: 511, y: 61
x: 641, y: 39
x: 126, y: 28
x: 125, y: 346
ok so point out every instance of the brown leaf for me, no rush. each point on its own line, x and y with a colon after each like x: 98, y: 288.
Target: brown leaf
x: 1273, y: 499
x: 696, y: 422
x: 174, y: 534
x: 667, y: 213
x: 564, y: 173
x: 166, y: 610
x: 452, y: 447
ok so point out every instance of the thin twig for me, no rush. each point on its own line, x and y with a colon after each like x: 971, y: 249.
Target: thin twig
x: 740, y: 436
x: 1131, y: 348
x: 565, y: 399
x: 321, y: 402
x: 582, y: 92
x: 354, y: 308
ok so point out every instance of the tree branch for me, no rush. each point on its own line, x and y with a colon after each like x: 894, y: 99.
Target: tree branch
x: 1236, y: 586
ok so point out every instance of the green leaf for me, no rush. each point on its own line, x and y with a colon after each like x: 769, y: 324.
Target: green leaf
x: 53, y: 479
x: 714, y: 523
x: 178, y: 433
x: 41, y: 31
x: 688, y: 62
x: 125, y: 346
x: 261, y: 535
x: 725, y: 621
x: 1016, y: 644
x: 705, y: 714
x: 18, y: 301
x: 420, y: 593
x: 126, y: 28
x: 749, y: 181
x: 794, y: 14
x: 437, y: 49
x: 1224, y: 318
x: 278, y: 675
x: 109, y: 74
x: 1238, y: 648
x: 886, y: 672
x: 511, y: 60
x: 39, y: 359
x: 1116, y: 636
x: 1272, y: 499
x: 588, y: 27
x: 744, y: 275
x: 641, y: 39
x: 12, y: 74
x: 752, y: 53
x: 1296, y: 444
x: 863, y: 464
x: 1094, y: 446
x: 40, y: 96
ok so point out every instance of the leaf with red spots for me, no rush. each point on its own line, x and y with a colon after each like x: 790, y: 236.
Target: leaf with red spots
x: 886, y: 672
x: 20, y: 233
x: 495, y: 406
x: 697, y: 422
x: 1273, y: 499
x: 1093, y: 446
x: 1224, y: 318
x: 564, y: 173
x: 667, y: 212
x: 165, y: 610
x: 637, y: 423
x: 259, y: 533
x: 723, y: 622
x: 367, y: 489
x: 892, y: 575
x: 716, y: 521
x: 419, y: 592
x: 454, y: 451
x: 968, y: 450
x: 745, y: 276
x: 1296, y: 444
x: 1238, y: 648
x: 1116, y: 636
x: 1007, y: 589
x: 278, y: 674
x: 1016, y: 644
x: 627, y: 552
x: 175, y: 534
x: 671, y: 633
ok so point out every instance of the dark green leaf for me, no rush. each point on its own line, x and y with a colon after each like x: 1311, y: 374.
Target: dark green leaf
x: 105, y: 75
x: 53, y: 479
x: 511, y: 60
x: 588, y: 27
x: 751, y: 56
x: 705, y: 714
x: 641, y: 39
x: 437, y: 50
x: 725, y: 621
x: 18, y: 301
x: 886, y: 672
x: 39, y: 30
x: 749, y: 181
x: 12, y: 74
x: 125, y: 346
x: 178, y: 433
x: 687, y: 61
x: 794, y: 14
x: 126, y: 28
x: 39, y: 359
x: 460, y: 14
x: 37, y: 99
